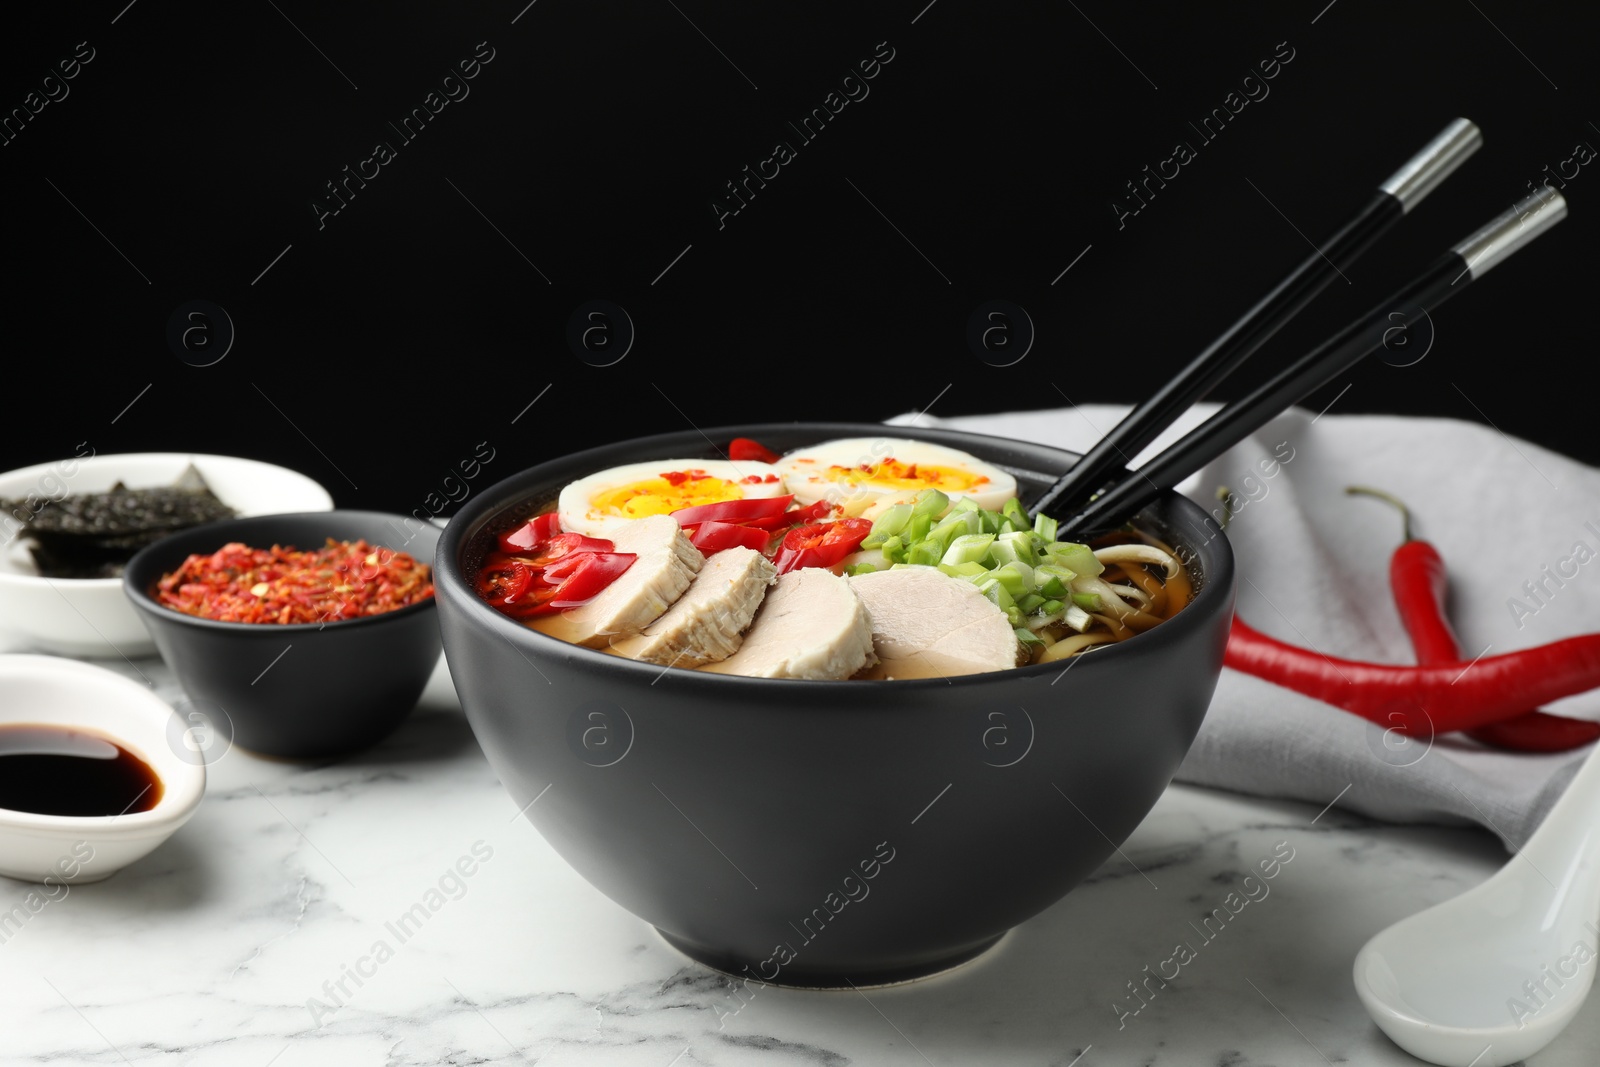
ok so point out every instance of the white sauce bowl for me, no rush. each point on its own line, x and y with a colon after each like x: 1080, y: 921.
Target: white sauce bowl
x: 70, y: 849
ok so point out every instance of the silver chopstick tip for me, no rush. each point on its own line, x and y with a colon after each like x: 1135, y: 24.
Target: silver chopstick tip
x: 1438, y: 159
x: 1513, y: 228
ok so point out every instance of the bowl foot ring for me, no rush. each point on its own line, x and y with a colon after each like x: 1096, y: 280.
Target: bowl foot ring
x: 791, y: 978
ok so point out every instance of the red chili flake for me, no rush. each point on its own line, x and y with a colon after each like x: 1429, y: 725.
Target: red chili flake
x: 769, y: 478
x: 910, y: 472
x: 697, y: 474
x: 675, y: 478
x: 754, y: 479
x: 342, y: 580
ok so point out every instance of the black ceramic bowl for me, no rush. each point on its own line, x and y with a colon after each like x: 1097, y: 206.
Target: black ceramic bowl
x: 814, y: 833
x: 304, y: 690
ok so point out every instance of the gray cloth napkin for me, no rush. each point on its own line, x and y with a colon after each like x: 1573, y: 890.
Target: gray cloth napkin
x: 1313, y: 569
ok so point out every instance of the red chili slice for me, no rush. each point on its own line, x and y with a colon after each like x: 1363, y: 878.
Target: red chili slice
x: 526, y: 537
x: 798, y: 517
x: 820, y: 544
x: 582, y: 577
x: 557, y: 571
x: 813, y: 512
x: 503, y: 581
x: 551, y: 574
x: 536, y: 601
x: 568, y: 544
x: 712, y: 537
x: 744, y: 448
x: 739, y: 511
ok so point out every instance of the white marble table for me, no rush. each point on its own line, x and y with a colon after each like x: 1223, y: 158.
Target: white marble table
x: 228, y: 945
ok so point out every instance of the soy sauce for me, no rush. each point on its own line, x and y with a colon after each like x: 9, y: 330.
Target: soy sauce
x: 61, y: 770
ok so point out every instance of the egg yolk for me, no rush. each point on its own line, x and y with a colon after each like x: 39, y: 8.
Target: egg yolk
x: 665, y: 494
x: 893, y: 474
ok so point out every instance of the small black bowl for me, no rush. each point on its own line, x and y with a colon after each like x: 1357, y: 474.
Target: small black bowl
x: 303, y: 690
x: 823, y: 833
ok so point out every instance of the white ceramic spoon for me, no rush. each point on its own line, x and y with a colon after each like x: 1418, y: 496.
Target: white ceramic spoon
x: 1492, y: 976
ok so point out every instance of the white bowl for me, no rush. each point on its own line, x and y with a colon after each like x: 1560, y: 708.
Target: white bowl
x: 92, y: 616
x: 70, y: 849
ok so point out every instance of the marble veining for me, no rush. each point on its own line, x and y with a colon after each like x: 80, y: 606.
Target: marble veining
x: 251, y: 939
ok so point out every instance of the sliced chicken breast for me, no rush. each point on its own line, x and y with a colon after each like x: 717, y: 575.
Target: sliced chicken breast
x: 666, y: 565
x: 811, y: 625
x: 708, y: 622
x: 927, y: 622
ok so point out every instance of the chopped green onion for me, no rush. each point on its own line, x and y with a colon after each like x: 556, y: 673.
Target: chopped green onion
x: 1004, y: 551
x: 957, y: 522
x: 1055, y: 570
x: 943, y: 535
x: 968, y: 548
x: 1075, y: 557
x: 1012, y: 558
x: 1017, y: 578
x: 917, y: 528
x: 1027, y: 636
x: 892, y: 521
x: 991, y: 588
x: 1001, y: 599
x: 930, y: 502
x: 1023, y: 542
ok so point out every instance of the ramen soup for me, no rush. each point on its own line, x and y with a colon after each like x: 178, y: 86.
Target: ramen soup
x: 854, y: 559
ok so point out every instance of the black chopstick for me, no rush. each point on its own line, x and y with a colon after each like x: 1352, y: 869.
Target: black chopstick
x: 1402, y: 191
x: 1452, y: 272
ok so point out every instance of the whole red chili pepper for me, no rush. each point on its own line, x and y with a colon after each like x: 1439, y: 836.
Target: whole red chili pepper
x: 1423, y: 700
x: 1418, y: 580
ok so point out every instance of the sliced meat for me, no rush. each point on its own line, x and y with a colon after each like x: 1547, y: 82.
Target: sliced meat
x: 927, y: 621
x: 812, y: 625
x: 708, y: 622
x: 666, y: 565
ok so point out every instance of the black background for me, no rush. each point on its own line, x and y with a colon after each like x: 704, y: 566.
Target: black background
x: 381, y: 348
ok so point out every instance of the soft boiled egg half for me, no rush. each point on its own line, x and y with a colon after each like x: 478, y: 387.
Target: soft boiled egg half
x: 598, y: 504
x: 863, y: 475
